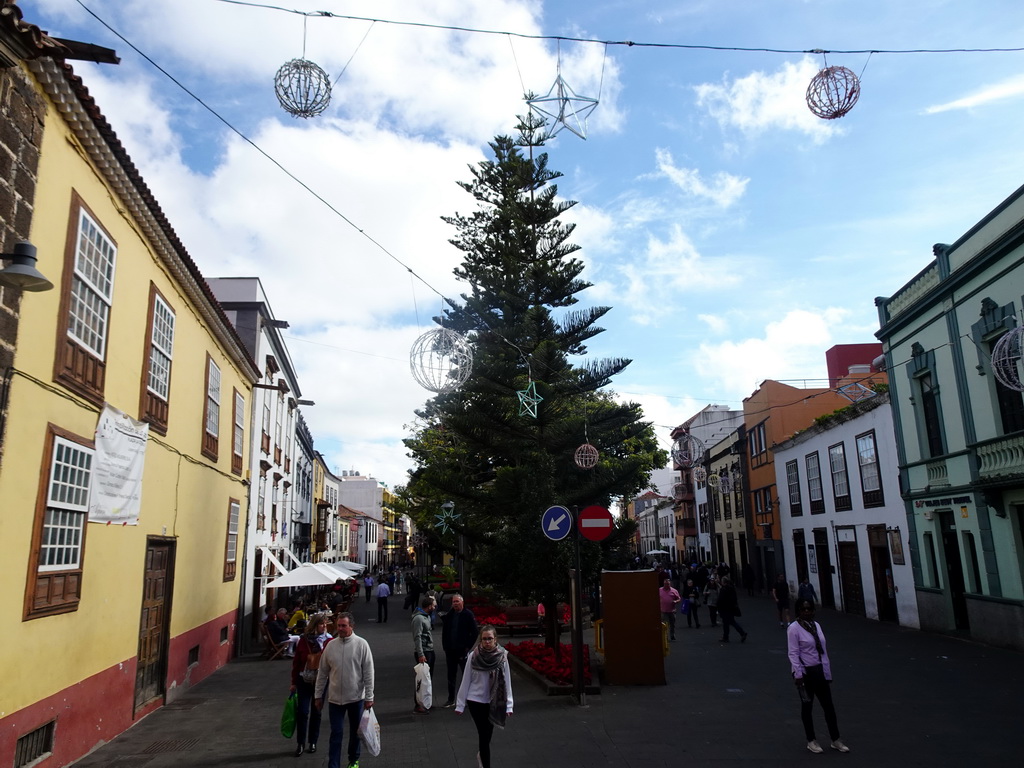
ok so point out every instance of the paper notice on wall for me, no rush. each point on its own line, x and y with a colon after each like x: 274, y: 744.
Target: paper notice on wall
x: 115, y: 495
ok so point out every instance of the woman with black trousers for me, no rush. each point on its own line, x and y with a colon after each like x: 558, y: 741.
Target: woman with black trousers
x: 304, y: 671
x: 812, y: 673
x: 486, y: 689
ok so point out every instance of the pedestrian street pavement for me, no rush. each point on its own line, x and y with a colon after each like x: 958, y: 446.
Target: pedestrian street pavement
x: 903, y: 697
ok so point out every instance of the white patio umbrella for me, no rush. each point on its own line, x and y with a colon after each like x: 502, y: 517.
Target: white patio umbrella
x: 657, y: 552
x: 305, y: 575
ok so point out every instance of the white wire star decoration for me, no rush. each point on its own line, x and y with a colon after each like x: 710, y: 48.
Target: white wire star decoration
x: 446, y: 520
x: 565, y: 108
x: 528, y: 400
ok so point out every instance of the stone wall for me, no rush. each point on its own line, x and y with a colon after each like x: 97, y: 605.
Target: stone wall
x: 21, y: 130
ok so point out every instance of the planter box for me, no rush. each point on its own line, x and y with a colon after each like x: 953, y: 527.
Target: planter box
x: 552, y: 689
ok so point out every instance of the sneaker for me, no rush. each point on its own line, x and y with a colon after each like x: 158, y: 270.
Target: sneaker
x: 354, y: 764
x: 815, y: 747
x: 312, y: 749
x: 449, y: 704
x: 421, y: 711
x: 838, y: 746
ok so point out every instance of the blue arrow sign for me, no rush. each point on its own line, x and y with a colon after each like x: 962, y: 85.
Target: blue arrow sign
x: 556, y: 523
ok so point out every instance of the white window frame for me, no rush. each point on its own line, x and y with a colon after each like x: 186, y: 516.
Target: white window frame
x: 92, y: 286
x: 867, y: 459
x: 161, y: 349
x: 67, y: 507
x: 814, y: 489
x: 231, y: 550
x: 837, y: 466
x: 238, y: 439
x: 212, y: 425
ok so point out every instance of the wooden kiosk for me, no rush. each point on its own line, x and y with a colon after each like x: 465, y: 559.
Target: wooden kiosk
x: 633, y: 637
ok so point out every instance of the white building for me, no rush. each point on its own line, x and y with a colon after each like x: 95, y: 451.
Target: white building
x: 841, y: 507
x: 274, y: 515
x: 365, y: 494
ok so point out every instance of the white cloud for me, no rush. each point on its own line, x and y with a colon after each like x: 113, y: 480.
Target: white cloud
x: 760, y: 102
x: 717, y: 324
x: 724, y: 189
x: 791, y: 348
x: 1010, y: 88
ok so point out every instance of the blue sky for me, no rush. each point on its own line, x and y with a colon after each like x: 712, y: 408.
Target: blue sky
x: 736, y: 235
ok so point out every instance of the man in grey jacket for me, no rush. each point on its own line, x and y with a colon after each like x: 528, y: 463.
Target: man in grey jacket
x: 346, y: 675
x: 423, y: 641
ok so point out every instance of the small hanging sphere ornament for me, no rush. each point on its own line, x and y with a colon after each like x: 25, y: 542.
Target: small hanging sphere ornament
x: 302, y: 88
x: 1006, y: 359
x: 700, y: 474
x: 713, y: 481
x: 441, y: 360
x: 833, y: 92
x: 586, y: 456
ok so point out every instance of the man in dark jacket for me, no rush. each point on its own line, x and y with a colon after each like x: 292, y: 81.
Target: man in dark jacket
x: 458, y: 633
x: 729, y: 609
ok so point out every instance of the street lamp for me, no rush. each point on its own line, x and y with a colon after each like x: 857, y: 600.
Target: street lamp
x: 22, y: 272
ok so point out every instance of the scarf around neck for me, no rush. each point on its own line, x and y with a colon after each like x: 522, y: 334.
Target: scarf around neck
x: 493, y: 663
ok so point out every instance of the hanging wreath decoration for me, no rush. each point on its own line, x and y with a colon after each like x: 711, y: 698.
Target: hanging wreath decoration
x: 441, y: 360
x: 833, y: 92
x: 1006, y: 359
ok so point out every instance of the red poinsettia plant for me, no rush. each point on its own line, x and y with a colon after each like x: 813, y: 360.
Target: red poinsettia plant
x: 542, y: 659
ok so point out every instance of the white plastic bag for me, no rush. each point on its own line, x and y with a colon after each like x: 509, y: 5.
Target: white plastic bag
x: 424, y: 686
x: 369, y: 732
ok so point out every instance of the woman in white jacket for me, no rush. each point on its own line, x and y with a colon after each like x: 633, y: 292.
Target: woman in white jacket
x: 486, y: 689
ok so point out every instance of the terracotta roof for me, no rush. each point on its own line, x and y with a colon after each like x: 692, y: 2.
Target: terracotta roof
x: 31, y: 40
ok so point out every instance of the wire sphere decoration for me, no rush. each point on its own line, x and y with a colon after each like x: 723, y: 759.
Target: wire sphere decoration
x: 700, y: 474
x: 303, y: 88
x: 713, y: 481
x: 586, y: 456
x: 687, y: 451
x: 725, y: 484
x: 1006, y: 359
x: 833, y: 92
x: 441, y: 360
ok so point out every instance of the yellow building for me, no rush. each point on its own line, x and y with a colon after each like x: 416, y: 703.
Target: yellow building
x: 129, y: 611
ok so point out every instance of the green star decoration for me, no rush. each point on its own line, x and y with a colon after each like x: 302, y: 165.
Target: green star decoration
x: 528, y: 400
x: 446, y: 520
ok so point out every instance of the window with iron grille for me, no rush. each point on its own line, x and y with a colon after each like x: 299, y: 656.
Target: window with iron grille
x: 34, y: 745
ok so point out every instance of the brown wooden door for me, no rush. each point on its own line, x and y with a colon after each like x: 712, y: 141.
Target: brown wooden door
x: 154, y: 626
x: 849, y: 575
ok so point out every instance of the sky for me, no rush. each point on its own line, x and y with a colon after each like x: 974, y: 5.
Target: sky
x: 736, y: 235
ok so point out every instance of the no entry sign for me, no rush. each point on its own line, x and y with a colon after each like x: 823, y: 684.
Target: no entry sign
x: 595, y: 523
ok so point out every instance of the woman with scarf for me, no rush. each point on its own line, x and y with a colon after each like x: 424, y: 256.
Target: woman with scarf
x: 487, y: 690
x: 304, y: 671
x: 812, y: 672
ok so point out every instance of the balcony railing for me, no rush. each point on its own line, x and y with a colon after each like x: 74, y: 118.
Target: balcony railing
x: 1001, y: 458
x: 938, y: 474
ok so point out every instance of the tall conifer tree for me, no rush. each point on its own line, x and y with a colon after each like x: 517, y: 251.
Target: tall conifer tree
x: 474, y: 446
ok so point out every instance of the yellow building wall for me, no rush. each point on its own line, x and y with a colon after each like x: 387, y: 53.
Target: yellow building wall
x: 185, y: 496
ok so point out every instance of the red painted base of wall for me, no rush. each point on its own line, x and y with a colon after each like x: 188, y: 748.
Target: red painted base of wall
x: 93, y: 711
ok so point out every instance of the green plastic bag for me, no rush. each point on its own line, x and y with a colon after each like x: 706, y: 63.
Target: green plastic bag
x: 288, y: 717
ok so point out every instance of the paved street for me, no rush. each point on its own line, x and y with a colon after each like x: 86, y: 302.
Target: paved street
x: 903, y: 698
